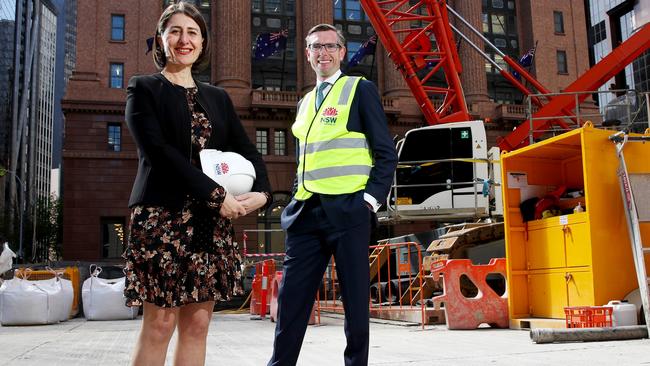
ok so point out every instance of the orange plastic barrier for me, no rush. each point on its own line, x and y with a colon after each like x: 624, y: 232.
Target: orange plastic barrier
x: 468, y: 313
x: 261, y: 296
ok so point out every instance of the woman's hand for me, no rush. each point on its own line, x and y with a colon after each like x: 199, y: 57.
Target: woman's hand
x: 251, y: 201
x: 231, y: 208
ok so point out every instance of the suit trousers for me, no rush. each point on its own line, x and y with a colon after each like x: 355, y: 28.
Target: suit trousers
x: 310, y: 242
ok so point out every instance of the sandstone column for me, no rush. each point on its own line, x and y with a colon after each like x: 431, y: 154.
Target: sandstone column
x: 313, y: 12
x: 473, y: 77
x: 231, y: 44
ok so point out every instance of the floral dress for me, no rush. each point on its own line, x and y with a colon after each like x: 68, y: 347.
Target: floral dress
x: 175, y: 258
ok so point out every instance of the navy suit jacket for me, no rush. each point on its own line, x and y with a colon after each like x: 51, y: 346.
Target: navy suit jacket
x: 366, y: 116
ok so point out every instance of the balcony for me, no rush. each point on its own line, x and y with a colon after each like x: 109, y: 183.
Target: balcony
x: 390, y: 104
x: 517, y: 112
x: 289, y: 100
x: 274, y: 99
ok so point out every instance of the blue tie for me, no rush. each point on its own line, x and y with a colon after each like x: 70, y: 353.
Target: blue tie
x: 319, y: 94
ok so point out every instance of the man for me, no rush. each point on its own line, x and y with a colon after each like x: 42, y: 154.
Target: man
x: 346, y: 161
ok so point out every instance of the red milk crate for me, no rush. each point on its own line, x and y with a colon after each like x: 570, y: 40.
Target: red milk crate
x: 588, y: 316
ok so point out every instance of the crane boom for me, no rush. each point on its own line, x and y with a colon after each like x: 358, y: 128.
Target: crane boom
x: 592, y: 79
x: 421, y: 53
x: 429, y: 49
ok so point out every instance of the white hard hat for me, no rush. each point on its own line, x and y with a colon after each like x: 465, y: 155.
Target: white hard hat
x: 231, y: 170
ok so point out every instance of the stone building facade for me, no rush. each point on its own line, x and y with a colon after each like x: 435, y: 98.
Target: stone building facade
x: 99, y: 155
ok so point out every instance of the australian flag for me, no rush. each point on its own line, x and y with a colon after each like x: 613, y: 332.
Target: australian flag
x: 526, y: 61
x: 269, y: 43
x: 367, y: 48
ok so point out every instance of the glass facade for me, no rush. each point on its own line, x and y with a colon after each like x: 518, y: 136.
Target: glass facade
x: 7, y: 9
x: 43, y: 137
x: 601, y: 38
x: 500, y: 27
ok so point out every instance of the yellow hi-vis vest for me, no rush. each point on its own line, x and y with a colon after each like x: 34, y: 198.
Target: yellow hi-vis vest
x: 332, y: 160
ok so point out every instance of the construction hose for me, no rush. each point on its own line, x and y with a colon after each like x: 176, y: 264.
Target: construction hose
x: 550, y: 335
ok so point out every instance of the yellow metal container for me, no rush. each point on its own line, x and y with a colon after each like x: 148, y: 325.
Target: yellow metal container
x: 577, y: 259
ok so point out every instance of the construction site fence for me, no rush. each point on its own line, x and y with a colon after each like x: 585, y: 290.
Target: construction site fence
x: 396, y: 277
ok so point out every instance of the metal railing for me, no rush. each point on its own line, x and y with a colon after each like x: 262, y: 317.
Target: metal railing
x: 476, y: 210
x: 396, y: 291
x: 582, y: 113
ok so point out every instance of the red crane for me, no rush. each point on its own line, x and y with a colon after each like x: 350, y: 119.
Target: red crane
x: 420, y: 40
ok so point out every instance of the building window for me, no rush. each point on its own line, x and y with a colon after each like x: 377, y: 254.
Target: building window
x: 117, y: 27
x: 499, y: 21
x: 598, y: 32
x: 349, y: 10
x: 497, y: 4
x: 558, y: 20
x: 112, y: 231
x: 117, y: 76
x: 561, y: 62
x: 498, y: 24
x: 114, y: 137
x: 350, y: 19
x: 280, y: 142
x: 262, y: 141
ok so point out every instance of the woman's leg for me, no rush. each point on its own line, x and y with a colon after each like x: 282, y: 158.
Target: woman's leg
x: 158, y: 325
x: 193, y: 323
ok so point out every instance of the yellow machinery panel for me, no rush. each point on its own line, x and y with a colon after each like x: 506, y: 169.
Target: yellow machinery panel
x: 574, y: 259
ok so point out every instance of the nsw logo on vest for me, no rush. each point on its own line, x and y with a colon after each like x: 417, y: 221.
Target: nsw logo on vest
x: 221, y: 168
x: 329, y: 116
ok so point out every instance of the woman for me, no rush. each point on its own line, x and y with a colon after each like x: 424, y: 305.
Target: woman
x: 180, y: 258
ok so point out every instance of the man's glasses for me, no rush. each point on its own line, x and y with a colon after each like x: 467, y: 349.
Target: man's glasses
x: 329, y: 47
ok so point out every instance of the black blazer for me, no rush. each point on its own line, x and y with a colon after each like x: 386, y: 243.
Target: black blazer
x: 366, y: 116
x: 158, y: 117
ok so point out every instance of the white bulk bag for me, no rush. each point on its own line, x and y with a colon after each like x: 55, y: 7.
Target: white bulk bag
x: 24, y: 302
x: 104, y: 299
x: 67, y: 292
x: 6, y: 259
x: 62, y: 296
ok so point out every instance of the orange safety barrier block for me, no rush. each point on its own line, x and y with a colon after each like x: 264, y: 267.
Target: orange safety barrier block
x: 468, y: 313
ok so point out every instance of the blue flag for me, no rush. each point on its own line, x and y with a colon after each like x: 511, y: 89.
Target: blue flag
x: 367, y: 48
x: 269, y: 43
x: 526, y: 61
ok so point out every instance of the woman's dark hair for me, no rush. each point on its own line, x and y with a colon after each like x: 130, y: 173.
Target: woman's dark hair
x: 191, y: 11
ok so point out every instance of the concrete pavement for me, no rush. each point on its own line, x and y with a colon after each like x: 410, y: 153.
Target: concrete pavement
x: 236, y: 340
